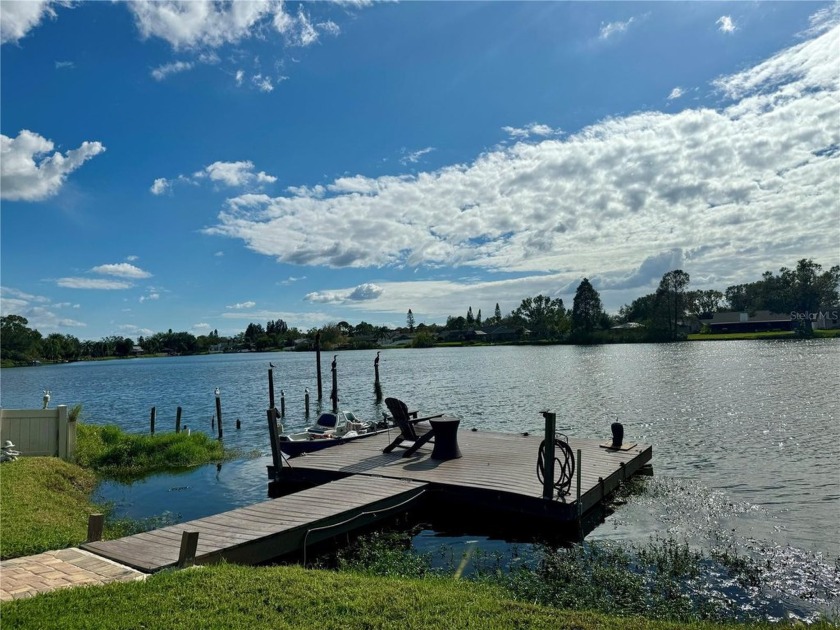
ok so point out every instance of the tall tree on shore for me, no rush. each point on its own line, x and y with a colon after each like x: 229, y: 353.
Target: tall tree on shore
x: 497, y: 314
x: 586, y: 308
x: 409, y: 320
x: 671, y: 300
x: 544, y: 316
x: 470, y: 318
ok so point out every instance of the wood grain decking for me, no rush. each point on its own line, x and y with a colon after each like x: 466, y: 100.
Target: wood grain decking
x: 269, y: 529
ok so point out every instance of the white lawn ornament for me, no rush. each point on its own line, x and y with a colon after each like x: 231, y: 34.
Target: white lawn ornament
x: 8, y: 452
x: 46, y: 398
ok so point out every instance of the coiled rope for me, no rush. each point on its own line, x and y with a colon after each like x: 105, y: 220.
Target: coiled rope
x: 564, y: 464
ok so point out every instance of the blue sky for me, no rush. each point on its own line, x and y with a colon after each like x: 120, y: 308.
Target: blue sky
x: 202, y: 165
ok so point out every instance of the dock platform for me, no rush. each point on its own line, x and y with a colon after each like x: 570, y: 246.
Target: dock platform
x: 267, y: 530
x: 497, y: 471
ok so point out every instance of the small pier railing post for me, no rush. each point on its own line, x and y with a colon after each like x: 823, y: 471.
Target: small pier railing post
x: 189, y: 545
x: 548, y: 475
x: 272, y: 436
x: 96, y: 524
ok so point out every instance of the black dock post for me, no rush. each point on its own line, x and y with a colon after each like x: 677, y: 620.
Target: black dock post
x: 178, y: 420
x: 270, y: 388
x: 152, y: 420
x: 377, y: 387
x: 219, y: 410
x: 334, y: 393
x: 318, y: 363
x: 548, y: 475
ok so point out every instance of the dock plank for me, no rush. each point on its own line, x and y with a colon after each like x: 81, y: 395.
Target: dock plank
x: 286, y: 523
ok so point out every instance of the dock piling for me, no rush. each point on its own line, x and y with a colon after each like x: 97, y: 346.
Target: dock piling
x: 219, y: 410
x: 96, y: 523
x: 270, y: 388
x: 306, y: 401
x: 548, y: 475
x: 189, y: 545
x: 318, y: 362
x: 178, y: 420
x: 152, y: 420
x: 282, y: 404
x: 334, y: 393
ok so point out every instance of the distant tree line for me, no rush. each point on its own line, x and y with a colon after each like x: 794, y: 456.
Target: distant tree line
x: 660, y: 315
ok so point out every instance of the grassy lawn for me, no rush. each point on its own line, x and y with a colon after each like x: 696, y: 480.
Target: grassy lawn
x: 228, y: 596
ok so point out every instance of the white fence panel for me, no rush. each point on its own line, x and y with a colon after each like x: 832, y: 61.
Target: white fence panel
x: 39, y: 432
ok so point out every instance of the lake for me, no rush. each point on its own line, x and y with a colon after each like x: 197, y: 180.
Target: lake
x: 745, y: 434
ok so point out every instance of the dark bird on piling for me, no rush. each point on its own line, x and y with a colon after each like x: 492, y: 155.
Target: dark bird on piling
x: 270, y: 364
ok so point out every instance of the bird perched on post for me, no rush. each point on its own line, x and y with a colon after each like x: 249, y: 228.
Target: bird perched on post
x: 270, y: 364
x: 46, y: 398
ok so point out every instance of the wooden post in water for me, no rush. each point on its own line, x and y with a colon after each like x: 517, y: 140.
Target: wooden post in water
x: 377, y: 387
x: 270, y: 388
x: 96, y: 523
x: 189, y: 545
x: 272, y: 438
x: 152, y: 420
x: 219, y: 410
x: 334, y: 393
x: 548, y: 454
x: 282, y: 404
x: 306, y: 401
x: 318, y: 363
x: 178, y: 420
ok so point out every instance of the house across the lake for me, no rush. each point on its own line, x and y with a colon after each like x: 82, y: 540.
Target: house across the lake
x: 759, y: 321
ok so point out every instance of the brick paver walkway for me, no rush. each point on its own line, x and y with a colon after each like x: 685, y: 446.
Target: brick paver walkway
x: 30, y: 575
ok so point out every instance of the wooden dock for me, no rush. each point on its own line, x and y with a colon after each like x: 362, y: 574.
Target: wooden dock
x: 354, y: 484
x: 266, y: 530
x: 497, y: 471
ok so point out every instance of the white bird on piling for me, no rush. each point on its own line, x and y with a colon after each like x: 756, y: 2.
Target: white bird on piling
x: 46, y: 398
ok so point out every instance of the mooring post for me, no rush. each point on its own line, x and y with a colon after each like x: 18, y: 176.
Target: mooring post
x: 270, y: 388
x: 282, y: 404
x: 318, y: 362
x: 238, y: 424
x: 548, y: 475
x: 377, y: 387
x: 578, y: 467
x: 152, y: 420
x: 219, y: 410
x: 189, y: 545
x: 272, y: 438
x: 178, y: 420
x: 96, y: 523
x: 334, y: 393
x: 306, y: 401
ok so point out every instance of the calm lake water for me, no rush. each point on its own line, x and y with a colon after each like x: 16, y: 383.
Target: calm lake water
x: 745, y: 434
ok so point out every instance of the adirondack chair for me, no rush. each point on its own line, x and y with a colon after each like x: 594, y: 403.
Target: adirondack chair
x: 408, y: 434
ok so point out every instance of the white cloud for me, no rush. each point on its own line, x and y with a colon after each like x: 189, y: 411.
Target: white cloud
x: 151, y: 296
x: 362, y: 293
x: 754, y: 181
x: 30, y: 172
x: 412, y: 157
x: 725, y: 24
x: 160, y: 186
x: 193, y: 23
x: 240, y: 76
x: 18, y: 18
x: 677, y: 92
x: 613, y: 28
x: 533, y: 129
x: 235, y: 174
x: 242, y: 305
x: 161, y: 72
x: 60, y: 65
x: 263, y: 84
x: 92, y: 283
x: 122, y: 270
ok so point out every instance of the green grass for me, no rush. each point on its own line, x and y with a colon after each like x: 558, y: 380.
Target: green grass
x: 44, y: 505
x: 228, y: 596
x: 777, y: 334
x: 111, y: 452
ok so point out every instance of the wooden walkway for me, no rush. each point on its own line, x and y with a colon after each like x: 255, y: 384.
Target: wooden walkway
x: 497, y: 471
x: 270, y: 529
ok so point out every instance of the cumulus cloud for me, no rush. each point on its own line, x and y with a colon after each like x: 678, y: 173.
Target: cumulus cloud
x: 242, y: 305
x: 122, y: 270
x: 92, y: 283
x: 677, y: 92
x: 190, y: 24
x: 31, y: 171
x: 234, y: 174
x: 756, y: 178
x: 21, y: 17
x: 161, y: 72
x: 726, y: 24
x: 533, y: 129
x: 362, y: 293
x: 160, y: 186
